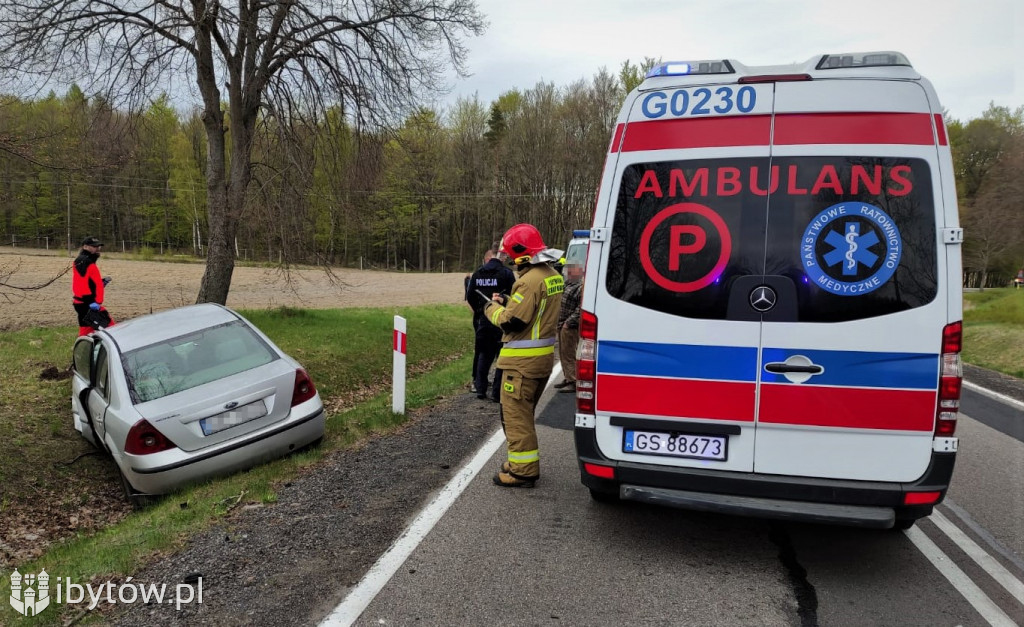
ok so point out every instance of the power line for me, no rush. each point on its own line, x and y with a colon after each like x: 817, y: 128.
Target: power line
x: 587, y: 195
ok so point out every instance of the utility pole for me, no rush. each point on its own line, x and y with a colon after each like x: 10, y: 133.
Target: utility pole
x: 69, y: 219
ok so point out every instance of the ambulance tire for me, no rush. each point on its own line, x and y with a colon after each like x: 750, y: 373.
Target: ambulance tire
x: 902, y: 524
x: 604, y: 497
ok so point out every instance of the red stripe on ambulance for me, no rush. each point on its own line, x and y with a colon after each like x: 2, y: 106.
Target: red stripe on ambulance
x: 852, y: 408
x: 746, y: 130
x: 853, y: 128
x: 617, y: 138
x: 790, y: 129
x: 685, y: 398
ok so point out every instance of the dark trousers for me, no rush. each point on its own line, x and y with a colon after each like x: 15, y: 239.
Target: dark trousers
x: 485, y: 351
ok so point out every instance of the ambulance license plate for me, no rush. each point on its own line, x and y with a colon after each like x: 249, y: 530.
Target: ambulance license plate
x: 233, y: 417
x: 675, y: 444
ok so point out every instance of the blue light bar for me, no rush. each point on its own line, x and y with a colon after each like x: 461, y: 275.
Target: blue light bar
x: 691, y: 68
x: 581, y: 233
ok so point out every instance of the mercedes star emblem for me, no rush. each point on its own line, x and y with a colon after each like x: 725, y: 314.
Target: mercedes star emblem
x: 762, y: 298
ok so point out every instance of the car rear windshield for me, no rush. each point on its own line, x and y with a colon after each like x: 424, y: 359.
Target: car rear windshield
x: 189, y: 361
x: 852, y: 237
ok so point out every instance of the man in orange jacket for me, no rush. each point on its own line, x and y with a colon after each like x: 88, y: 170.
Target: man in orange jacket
x: 87, y: 288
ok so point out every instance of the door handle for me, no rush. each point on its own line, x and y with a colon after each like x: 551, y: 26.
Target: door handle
x: 779, y: 367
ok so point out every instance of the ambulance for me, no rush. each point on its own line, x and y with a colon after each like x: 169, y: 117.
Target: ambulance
x: 771, y: 319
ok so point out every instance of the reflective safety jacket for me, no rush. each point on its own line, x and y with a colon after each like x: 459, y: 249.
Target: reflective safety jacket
x: 529, y: 321
x: 86, y: 282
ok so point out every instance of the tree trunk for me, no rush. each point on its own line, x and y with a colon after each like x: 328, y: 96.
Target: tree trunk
x: 220, y: 254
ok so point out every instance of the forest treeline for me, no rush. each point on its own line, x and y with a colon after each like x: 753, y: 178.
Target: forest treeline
x: 431, y: 194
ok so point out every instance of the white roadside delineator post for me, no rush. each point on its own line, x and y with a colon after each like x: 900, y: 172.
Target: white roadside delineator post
x: 398, y: 371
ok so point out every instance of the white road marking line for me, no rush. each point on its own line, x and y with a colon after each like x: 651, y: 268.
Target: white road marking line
x: 974, y: 387
x: 997, y: 571
x: 349, y: 610
x: 963, y: 584
x: 982, y: 533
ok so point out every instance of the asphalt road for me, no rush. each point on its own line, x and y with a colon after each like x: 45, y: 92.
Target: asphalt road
x: 552, y: 556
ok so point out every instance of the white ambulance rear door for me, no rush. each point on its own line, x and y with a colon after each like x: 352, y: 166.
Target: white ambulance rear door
x: 849, y: 358
x: 676, y: 365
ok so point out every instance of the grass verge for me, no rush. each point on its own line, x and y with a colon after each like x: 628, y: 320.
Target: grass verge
x: 348, y: 354
x: 994, y: 330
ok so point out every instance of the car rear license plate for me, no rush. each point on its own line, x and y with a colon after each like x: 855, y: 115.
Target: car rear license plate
x: 233, y: 417
x: 675, y: 444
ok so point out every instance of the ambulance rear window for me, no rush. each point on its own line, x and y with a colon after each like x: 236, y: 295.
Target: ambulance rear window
x: 854, y: 236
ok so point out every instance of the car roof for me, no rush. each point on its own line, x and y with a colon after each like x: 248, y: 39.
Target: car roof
x: 148, y: 329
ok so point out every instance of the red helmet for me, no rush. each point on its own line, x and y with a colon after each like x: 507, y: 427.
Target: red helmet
x: 521, y: 241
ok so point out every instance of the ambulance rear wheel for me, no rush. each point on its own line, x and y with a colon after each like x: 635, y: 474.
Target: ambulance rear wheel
x: 603, y: 497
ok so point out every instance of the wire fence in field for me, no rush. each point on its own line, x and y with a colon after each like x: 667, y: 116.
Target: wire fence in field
x: 150, y: 250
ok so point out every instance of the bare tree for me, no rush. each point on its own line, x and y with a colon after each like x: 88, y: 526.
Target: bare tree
x: 994, y: 222
x: 11, y: 291
x: 252, y: 63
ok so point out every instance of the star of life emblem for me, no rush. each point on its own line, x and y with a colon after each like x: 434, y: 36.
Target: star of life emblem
x: 851, y: 249
x: 30, y: 594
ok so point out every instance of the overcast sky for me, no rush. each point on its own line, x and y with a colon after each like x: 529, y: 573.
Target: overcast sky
x: 972, y: 51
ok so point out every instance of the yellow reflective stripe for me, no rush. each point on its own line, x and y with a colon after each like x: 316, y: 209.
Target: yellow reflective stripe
x: 494, y: 316
x: 527, y: 352
x: 517, y: 297
x: 535, y: 334
x: 524, y: 457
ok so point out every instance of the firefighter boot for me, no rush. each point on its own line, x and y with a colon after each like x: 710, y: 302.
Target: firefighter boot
x: 509, y: 480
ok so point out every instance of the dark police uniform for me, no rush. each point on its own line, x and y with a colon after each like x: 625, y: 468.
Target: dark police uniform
x: 490, y: 278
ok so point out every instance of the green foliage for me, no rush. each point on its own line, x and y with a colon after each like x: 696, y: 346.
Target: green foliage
x: 1003, y: 306
x: 994, y: 330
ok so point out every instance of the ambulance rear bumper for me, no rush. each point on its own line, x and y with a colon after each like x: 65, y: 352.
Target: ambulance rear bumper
x: 855, y: 515
x: 838, y: 501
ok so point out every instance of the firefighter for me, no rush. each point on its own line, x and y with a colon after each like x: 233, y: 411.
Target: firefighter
x: 528, y: 320
x: 87, y: 288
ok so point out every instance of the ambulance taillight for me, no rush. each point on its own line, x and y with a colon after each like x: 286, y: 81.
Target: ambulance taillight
x: 586, y: 363
x: 950, y: 380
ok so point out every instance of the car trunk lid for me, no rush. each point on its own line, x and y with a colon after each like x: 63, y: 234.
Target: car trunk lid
x: 224, y: 409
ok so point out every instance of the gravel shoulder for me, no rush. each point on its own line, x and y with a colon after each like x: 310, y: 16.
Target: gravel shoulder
x: 292, y: 562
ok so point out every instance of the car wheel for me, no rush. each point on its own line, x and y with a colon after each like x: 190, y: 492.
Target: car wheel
x: 603, y: 497
x: 902, y: 524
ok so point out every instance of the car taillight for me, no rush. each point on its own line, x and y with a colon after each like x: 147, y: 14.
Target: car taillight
x: 586, y: 364
x: 144, y: 439
x: 950, y: 380
x: 304, y: 388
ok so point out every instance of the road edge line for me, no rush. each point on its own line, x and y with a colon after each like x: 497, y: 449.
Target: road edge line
x: 356, y: 602
x: 974, y: 387
x: 985, y: 606
x: 981, y: 557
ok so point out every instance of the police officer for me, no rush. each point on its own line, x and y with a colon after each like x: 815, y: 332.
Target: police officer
x: 492, y: 277
x: 527, y: 319
x: 87, y: 287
